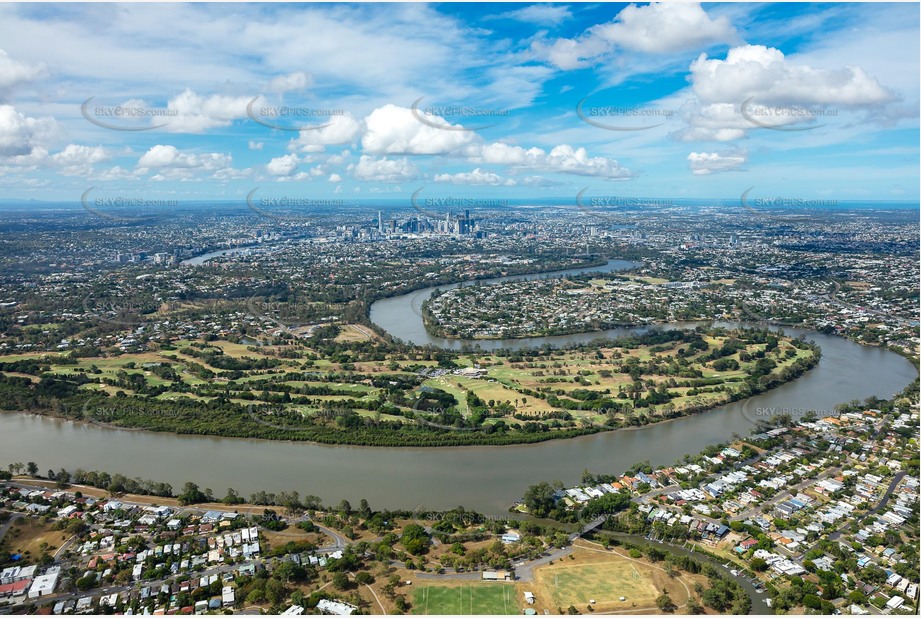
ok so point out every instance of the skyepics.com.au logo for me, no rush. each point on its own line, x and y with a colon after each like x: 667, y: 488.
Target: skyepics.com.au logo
x: 290, y: 209
x: 782, y: 209
x: 429, y: 413
x: 129, y: 116
x: 114, y: 412
x: 458, y: 214
x: 440, y: 116
x: 625, y: 118
x: 784, y: 117
x: 125, y: 208
x: 295, y: 118
x: 459, y: 525
x: 126, y: 311
x: 279, y: 417
x: 433, y: 414
x: 287, y: 314
x: 619, y: 209
x: 773, y: 416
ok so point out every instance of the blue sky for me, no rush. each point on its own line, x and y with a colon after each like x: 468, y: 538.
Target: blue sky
x: 812, y: 101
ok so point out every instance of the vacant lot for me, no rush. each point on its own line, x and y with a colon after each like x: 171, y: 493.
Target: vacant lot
x: 29, y: 537
x: 466, y: 599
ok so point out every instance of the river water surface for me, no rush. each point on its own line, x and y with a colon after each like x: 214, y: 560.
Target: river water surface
x: 485, y: 478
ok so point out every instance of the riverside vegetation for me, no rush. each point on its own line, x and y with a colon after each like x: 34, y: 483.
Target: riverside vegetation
x: 336, y: 387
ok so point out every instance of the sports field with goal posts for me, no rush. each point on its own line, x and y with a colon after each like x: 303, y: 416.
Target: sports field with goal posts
x: 466, y: 599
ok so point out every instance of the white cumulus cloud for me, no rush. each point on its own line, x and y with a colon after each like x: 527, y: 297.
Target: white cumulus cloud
x: 290, y: 82
x: 23, y: 136
x: 758, y: 86
x: 373, y: 169
x: 194, y: 113
x: 657, y: 28
x: 704, y: 163
x: 398, y: 130
x: 476, y: 177
x: 338, y: 129
x: 282, y: 166
x: 14, y: 72
x: 172, y: 164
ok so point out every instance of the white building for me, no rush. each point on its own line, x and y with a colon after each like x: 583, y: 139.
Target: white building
x: 43, y: 585
x: 336, y: 608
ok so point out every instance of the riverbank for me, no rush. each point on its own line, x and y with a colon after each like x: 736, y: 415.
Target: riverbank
x: 446, y: 476
x: 633, y: 382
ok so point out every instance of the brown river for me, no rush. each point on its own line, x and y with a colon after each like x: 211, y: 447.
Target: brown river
x: 484, y: 478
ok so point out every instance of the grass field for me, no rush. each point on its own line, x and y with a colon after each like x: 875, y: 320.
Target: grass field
x: 469, y: 599
x: 604, y: 578
x: 27, y: 535
x: 605, y: 583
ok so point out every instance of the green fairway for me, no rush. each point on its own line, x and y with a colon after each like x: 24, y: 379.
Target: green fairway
x: 465, y: 600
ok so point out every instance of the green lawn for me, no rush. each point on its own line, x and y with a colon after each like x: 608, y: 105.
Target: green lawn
x: 496, y: 599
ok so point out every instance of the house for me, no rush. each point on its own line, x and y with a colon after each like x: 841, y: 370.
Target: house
x: 14, y: 589
x: 111, y: 505
x: 895, y: 602
x: 496, y: 576
x: 84, y: 604
x: 510, y: 537
x: 856, y: 610
x: 294, y: 610
x: 15, y: 574
x: 748, y: 544
x: 158, y: 511
x: 211, y: 517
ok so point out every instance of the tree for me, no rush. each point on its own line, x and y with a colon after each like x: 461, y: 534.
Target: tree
x: 232, y: 497
x: 540, y: 499
x: 63, y: 478
x: 811, y: 601
x: 191, y: 494
x: 665, y: 603
x: 857, y: 596
x: 415, y: 539
x: 274, y: 591
x: 288, y: 571
x: 759, y: 564
x: 32, y: 468
x: 341, y: 581
x: 364, y: 578
x: 85, y: 583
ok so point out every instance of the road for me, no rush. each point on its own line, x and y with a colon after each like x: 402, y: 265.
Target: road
x: 785, y: 494
x: 759, y: 604
x: 9, y: 522
x: 879, y: 507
